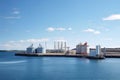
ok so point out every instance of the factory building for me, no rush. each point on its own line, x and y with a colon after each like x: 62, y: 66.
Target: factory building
x: 95, y: 52
x: 39, y: 49
x: 81, y: 48
x: 30, y: 49
x: 59, y: 47
x: 111, y: 49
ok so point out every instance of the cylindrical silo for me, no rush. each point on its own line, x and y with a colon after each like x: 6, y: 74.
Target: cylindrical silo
x: 98, y: 49
x: 30, y: 49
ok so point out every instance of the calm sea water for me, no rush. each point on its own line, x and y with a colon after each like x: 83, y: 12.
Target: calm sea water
x: 57, y: 68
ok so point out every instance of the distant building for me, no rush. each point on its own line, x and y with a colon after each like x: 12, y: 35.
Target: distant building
x: 39, y: 49
x: 30, y: 49
x: 111, y: 49
x: 92, y: 52
x: 59, y: 47
x: 95, y: 52
x: 81, y: 48
x: 98, y: 50
x: 54, y: 51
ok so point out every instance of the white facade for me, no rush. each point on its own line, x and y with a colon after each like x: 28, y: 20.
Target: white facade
x: 78, y: 49
x: 95, y: 52
x: 84, y: 49
x: 92, y: 52
x: 81, y: 49
x: 44, y: 50
x: 98, y: 50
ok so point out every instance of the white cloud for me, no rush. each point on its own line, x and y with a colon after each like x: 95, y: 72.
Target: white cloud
x: 92, y: 31
x: 16, y: 12
x: 69, y: 29
x: 11, y: 45
x: 97, y: 32
x: 22, y: 44
x: 112, y: 17
x: 89, y: 30
x: 32, y: 40
x: 36, y: 40
x: 51, y: 29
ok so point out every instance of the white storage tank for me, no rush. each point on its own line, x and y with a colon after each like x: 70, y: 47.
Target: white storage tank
x: 30, y: 49
x: 98, y: 50
x: 95, y: 52
x: 39, y: 49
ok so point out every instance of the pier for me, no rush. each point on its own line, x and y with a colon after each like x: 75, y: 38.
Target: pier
x: 79, y: 51
x: 59, y: 55
x: 50, y: 55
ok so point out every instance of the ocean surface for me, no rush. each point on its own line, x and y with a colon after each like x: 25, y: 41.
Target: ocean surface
x: 57, y: 68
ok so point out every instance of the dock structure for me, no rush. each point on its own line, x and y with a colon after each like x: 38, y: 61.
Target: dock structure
x: 50, y: 55
x: 68, y: 55
x: 61, y: 50
x: 58, y: 55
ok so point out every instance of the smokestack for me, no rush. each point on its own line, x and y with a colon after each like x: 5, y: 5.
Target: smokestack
x: 58, y: 45
x: 54, y: 45
x: 61, y: 45
x: 65, y: 45
x: 45, y: 47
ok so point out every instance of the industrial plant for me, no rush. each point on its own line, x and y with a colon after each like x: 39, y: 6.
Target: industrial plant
x: 82, y: 48
x: 31, y: 49
x: 60, y: 48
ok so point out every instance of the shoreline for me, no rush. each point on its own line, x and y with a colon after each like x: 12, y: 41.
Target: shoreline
x: 59, y: 55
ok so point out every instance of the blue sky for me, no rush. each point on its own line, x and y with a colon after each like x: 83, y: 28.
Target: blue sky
x: 23, y: 22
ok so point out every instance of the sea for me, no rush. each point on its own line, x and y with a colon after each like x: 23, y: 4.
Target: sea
x: 57, y: 68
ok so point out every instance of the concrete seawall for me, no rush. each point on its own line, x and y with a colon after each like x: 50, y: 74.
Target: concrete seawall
x: 59, y: 55
x: 50, y: 55
x: 110, y: 55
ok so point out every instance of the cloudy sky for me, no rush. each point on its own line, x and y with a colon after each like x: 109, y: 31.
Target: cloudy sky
x: 23, y: 22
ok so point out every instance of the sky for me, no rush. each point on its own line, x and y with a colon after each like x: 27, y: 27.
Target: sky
x: 26, y: 22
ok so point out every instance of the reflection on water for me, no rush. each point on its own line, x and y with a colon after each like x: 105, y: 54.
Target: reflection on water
x: 12, y: 62
x: 54, y: 68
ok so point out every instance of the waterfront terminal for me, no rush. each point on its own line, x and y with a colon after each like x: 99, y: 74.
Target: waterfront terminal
x: 62, y: 50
